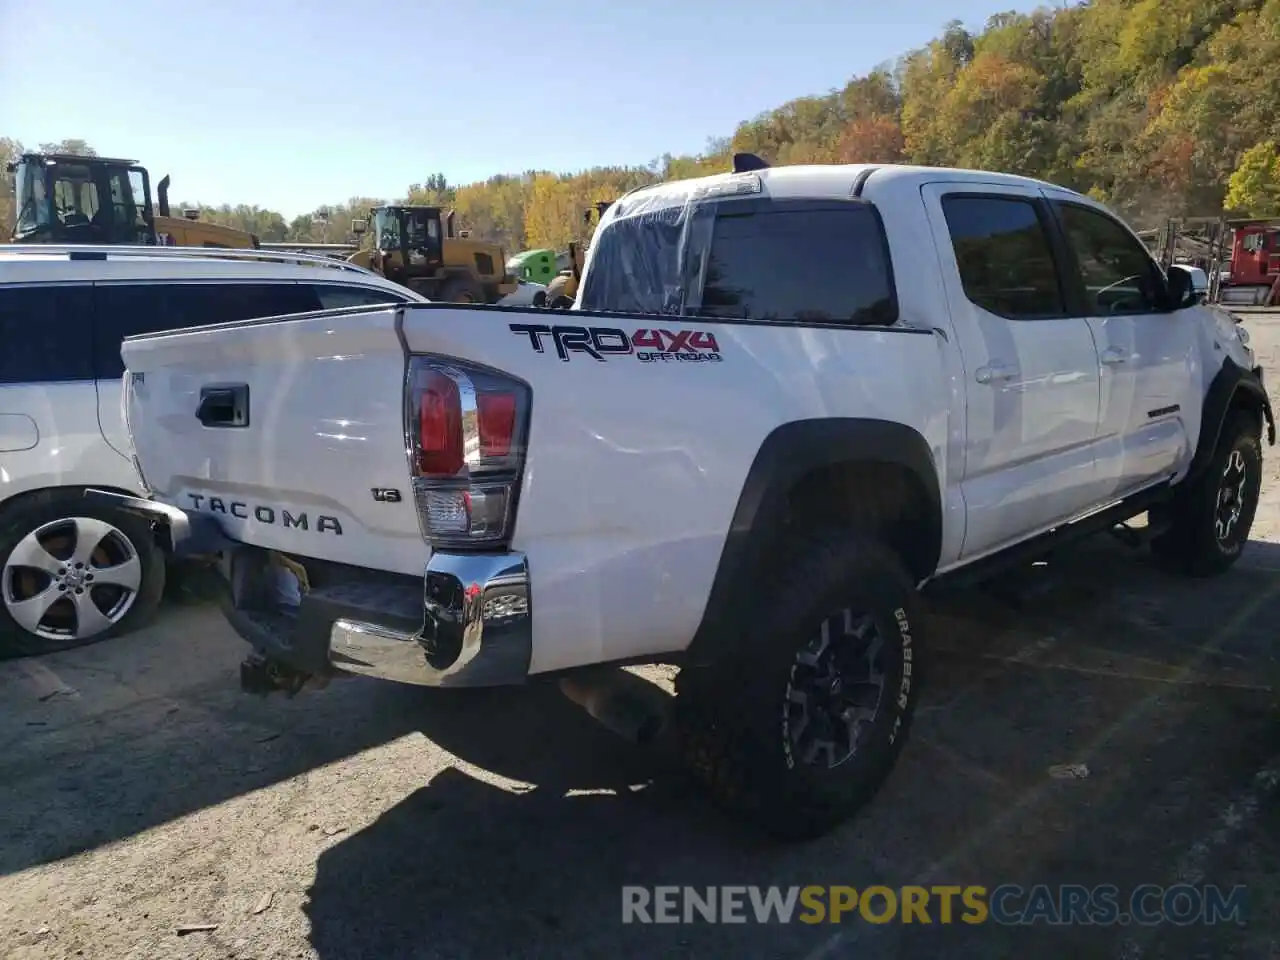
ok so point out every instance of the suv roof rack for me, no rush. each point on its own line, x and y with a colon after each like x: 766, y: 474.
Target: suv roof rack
x: 104, y: 251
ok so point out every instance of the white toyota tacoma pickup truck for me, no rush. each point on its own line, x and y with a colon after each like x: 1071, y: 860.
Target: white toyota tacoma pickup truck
x: 786, y: 400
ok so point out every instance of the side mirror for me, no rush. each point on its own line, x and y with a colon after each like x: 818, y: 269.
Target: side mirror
x: 1182, y: 288
x: 358, y: 227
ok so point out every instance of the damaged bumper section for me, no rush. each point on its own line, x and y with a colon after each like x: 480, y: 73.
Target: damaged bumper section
x: 466, y: 622
x: 476, y: 628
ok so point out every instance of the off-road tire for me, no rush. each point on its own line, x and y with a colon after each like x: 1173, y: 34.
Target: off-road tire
x: 26, y: 514
x: 462, y: 288
x: 1193, y: 545
x: 735, y: 719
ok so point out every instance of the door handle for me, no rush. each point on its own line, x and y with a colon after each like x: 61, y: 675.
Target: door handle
x: 995, y: 372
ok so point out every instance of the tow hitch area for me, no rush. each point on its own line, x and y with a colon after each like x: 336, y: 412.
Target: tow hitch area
x: 262, y: 675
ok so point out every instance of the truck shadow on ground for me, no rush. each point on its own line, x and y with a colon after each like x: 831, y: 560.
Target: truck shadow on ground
x: 1147, y: 687
x: 102, y: 743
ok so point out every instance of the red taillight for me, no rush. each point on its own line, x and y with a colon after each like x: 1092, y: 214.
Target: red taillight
x: 468, y: 428
x: 439, y: 426
x: 496, y: 416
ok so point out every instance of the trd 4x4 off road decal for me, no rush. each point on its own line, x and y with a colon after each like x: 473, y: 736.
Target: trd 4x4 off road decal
x: 646, y: 345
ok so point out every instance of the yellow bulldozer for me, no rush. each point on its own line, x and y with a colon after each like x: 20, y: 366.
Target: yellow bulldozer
x: 417, y: 247
x: 563, y: 288
x: 64, y: 198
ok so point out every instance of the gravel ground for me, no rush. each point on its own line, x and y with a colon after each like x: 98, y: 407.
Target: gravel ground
x: 142, y: 791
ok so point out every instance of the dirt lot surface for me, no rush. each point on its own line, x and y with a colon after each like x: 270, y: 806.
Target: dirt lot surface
x: 142, y: 791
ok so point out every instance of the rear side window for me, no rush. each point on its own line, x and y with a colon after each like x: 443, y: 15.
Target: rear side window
x: 333, y: 295
x: 1005, y: 260
x: 46, y: 334
x: 807, y: 261
x: 125, y: 310
x: 818, y: 265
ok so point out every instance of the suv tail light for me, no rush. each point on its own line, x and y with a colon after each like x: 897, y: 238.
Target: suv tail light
x: 467, y: 428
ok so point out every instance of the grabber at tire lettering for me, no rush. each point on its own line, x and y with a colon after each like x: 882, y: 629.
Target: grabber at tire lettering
x: 801, y: 722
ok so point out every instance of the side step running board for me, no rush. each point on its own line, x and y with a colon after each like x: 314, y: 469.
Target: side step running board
x: 1037, y: 547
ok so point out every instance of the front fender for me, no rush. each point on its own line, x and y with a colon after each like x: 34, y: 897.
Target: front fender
x: 1230, y: 385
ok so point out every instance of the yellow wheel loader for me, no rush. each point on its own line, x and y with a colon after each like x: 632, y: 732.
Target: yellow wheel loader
x: 563, y: 288
x: 62, y: 198
x: 417, y: 247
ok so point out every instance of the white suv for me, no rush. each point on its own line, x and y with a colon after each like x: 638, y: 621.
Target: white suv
x: 72, y: 572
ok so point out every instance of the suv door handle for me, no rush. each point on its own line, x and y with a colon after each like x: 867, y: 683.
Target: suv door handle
x: 1115, y: 355
x: 995, y: 372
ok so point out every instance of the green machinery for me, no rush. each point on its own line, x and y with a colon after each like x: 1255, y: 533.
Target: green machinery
x: 538, y: 266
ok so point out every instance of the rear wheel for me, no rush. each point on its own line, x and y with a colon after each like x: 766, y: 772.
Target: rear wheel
x: 800, y: 723
x: 1210, y: 520
x: 73, y: 573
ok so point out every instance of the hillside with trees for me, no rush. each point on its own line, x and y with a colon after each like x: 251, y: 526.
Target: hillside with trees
x: 1159, y: 107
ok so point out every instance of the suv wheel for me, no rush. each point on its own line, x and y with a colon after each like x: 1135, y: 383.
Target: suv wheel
x: 73, y: 573
x: 1211, y: 519
x: 802, y: 721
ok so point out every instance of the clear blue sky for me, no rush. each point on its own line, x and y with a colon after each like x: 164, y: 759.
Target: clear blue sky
x: 292, y: 104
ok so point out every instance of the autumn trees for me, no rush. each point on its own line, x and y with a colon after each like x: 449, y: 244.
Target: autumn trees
x: 1161, y: 107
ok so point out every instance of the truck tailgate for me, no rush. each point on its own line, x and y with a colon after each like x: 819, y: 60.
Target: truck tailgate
x: 290, y: 432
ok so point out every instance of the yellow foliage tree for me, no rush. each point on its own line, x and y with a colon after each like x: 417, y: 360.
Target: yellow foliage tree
x: 1254, y: 187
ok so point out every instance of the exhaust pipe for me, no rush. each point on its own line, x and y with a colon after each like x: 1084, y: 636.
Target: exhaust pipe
x: 630, y: 706
x: 162, y: 195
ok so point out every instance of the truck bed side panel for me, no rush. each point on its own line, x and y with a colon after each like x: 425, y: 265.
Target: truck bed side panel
x: 635, y: 466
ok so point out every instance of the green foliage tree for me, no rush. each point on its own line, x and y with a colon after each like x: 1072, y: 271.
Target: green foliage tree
x: 1253, y: 190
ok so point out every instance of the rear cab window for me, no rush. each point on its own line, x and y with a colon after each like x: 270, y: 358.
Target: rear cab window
x: 756, y: 259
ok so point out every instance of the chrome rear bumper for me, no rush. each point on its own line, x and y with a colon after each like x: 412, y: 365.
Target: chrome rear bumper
x: 477, y: 628
x: 467, y: 623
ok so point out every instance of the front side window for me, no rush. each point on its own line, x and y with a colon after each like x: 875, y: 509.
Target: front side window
x: 1118, y: 273
x: 1004, y: 256
x: 46, y: 332
x: 35, y: 212
x: 386, y: 228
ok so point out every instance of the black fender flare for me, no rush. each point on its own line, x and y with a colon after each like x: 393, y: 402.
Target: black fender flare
x: 789, y: 453
x: 1230, y: 382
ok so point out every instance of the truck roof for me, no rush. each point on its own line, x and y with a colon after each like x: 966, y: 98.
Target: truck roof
x: 833, y: 180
